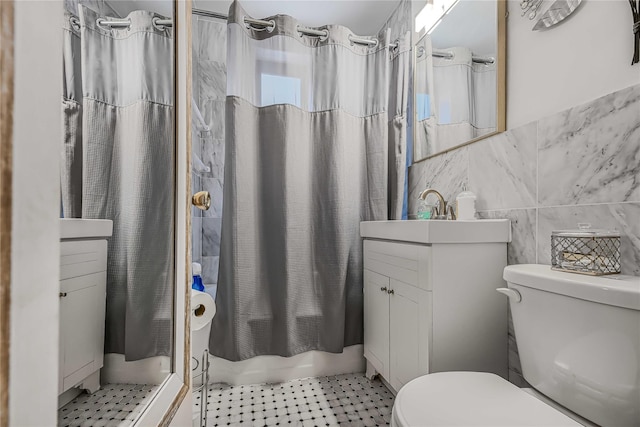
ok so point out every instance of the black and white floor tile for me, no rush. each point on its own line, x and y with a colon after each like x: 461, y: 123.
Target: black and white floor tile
x: 113, y: 405
x: 343, y: 400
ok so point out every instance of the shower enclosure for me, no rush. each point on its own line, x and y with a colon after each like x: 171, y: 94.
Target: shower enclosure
x: 209, y: 96
x: 209, y: 88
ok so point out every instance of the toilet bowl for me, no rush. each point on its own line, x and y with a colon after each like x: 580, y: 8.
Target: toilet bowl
x: 579, y: 342
x: 471, y: 399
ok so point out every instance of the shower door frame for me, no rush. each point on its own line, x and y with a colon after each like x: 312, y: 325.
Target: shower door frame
x: 173, y: 398
x: 173, y: 393
x: 6, y: 170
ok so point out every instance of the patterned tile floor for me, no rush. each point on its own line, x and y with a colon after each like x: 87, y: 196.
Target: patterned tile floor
x: 113, y: 405
x: 343, y: 400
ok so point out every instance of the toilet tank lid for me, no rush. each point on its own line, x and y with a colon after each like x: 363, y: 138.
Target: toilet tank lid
x: 617, y: 290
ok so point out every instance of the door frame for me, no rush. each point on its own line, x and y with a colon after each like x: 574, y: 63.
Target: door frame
x: 6, y: 172
x: 174, y: 393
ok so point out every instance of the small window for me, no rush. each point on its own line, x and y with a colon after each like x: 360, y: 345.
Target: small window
x: 444, y: 113
x: 280, y: 90
x: 423, y: 106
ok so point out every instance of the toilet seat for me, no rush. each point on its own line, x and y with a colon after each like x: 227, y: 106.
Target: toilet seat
x: 471, y: 399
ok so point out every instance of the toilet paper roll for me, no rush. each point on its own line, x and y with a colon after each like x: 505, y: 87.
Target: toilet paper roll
x: 203, y: 308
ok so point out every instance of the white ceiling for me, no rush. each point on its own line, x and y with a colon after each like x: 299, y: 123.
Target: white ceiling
x: 364, y: 17
x: 477, y: 19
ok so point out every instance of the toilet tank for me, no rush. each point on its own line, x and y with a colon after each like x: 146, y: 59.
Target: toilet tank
x: 579, y: 340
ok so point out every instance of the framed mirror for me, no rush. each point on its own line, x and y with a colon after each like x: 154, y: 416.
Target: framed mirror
x: 122, y: 167
x: 459, y: 78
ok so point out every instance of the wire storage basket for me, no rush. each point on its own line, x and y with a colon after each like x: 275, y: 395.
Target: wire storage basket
x: 586, y: 251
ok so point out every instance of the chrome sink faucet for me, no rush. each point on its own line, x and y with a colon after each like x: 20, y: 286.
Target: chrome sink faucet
x: 442, y: 211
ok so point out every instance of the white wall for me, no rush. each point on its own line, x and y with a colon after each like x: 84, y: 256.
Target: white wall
x: 33, y: 372
x: 581, y: 59
x: 184, y: 415
x: 585, y: 57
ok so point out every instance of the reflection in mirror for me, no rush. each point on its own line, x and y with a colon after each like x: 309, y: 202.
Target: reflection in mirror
x: 117, y: 209
x: 457, y: 79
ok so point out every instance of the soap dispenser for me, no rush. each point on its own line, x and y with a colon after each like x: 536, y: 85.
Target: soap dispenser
x: 466, y: 205
x: 196, y: 270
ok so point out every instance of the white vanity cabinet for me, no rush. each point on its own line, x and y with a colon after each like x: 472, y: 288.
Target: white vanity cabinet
x: 83, y: 276
x: 430, y: 303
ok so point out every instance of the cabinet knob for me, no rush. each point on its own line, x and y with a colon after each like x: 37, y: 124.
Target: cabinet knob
x: 62, y: 294
x: 383, y: 289
x: 390, y: 291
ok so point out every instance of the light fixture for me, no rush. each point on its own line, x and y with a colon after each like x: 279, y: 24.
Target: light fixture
x: 432, y: 13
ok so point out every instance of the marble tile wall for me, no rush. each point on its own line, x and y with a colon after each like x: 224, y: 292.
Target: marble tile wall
x: 209, y: 91
x: 579, y: 165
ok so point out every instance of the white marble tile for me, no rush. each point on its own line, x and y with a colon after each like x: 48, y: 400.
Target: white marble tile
x: 213, y: 111
x: 196, y: 227
x: 211, y: 229
x: 215, y: 189
x: 210, y: 265
x: 591, y: 153
x: 624, y: 217
x: 212, y: 39
x: 213, y: 155
x: 515, y: 367
x: 522, y: 249
x: 213, y: 80
x: 447, y: 173
x: 502, y: 169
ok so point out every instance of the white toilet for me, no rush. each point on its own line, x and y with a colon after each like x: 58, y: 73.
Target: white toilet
x: 579, y: 343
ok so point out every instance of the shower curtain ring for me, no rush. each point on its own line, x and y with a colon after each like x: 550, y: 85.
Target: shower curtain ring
x: 157, y: 26
x: 269, y: 28
x: 99, y: 23
x: 75, y: 23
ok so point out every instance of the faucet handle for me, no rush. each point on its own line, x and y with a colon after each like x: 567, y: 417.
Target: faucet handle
x: 451, y: 213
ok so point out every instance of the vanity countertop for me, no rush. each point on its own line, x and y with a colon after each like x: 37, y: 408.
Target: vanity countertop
x: 71, y: 228
x: 438, y: 231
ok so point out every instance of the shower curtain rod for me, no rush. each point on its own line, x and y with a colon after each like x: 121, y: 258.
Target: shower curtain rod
x: 266, y: 26
x: 449, y: 55
x: 270, y: 26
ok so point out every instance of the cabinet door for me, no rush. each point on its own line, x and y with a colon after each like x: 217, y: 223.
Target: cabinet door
x: 376, y: 321
x: 410, y: 331
x: 81, y: 326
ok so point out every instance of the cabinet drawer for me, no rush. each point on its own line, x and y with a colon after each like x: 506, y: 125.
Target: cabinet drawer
x: 79, y: 258
x: 408, y: 263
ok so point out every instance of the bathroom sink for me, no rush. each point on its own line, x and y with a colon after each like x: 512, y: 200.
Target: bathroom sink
x: 438, y: 231
x: 85, y: 228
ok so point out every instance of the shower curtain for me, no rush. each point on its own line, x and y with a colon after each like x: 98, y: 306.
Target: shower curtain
x: 457, y: 98
x: 399, y: 77
x: 118, y: 164
x: 307, y: 159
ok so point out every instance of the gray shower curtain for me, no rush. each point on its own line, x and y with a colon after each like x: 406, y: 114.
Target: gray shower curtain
x: 398, y: 103
x: 118, y: 164
x: 306, y: 160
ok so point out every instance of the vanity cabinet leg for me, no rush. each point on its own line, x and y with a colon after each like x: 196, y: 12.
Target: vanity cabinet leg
x: 370, y: 372
x: 92, y: 383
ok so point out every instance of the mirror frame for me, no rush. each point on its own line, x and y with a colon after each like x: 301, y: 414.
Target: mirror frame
x: 6, y: 179
x: 173, y: 391
x: 501, y: 85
